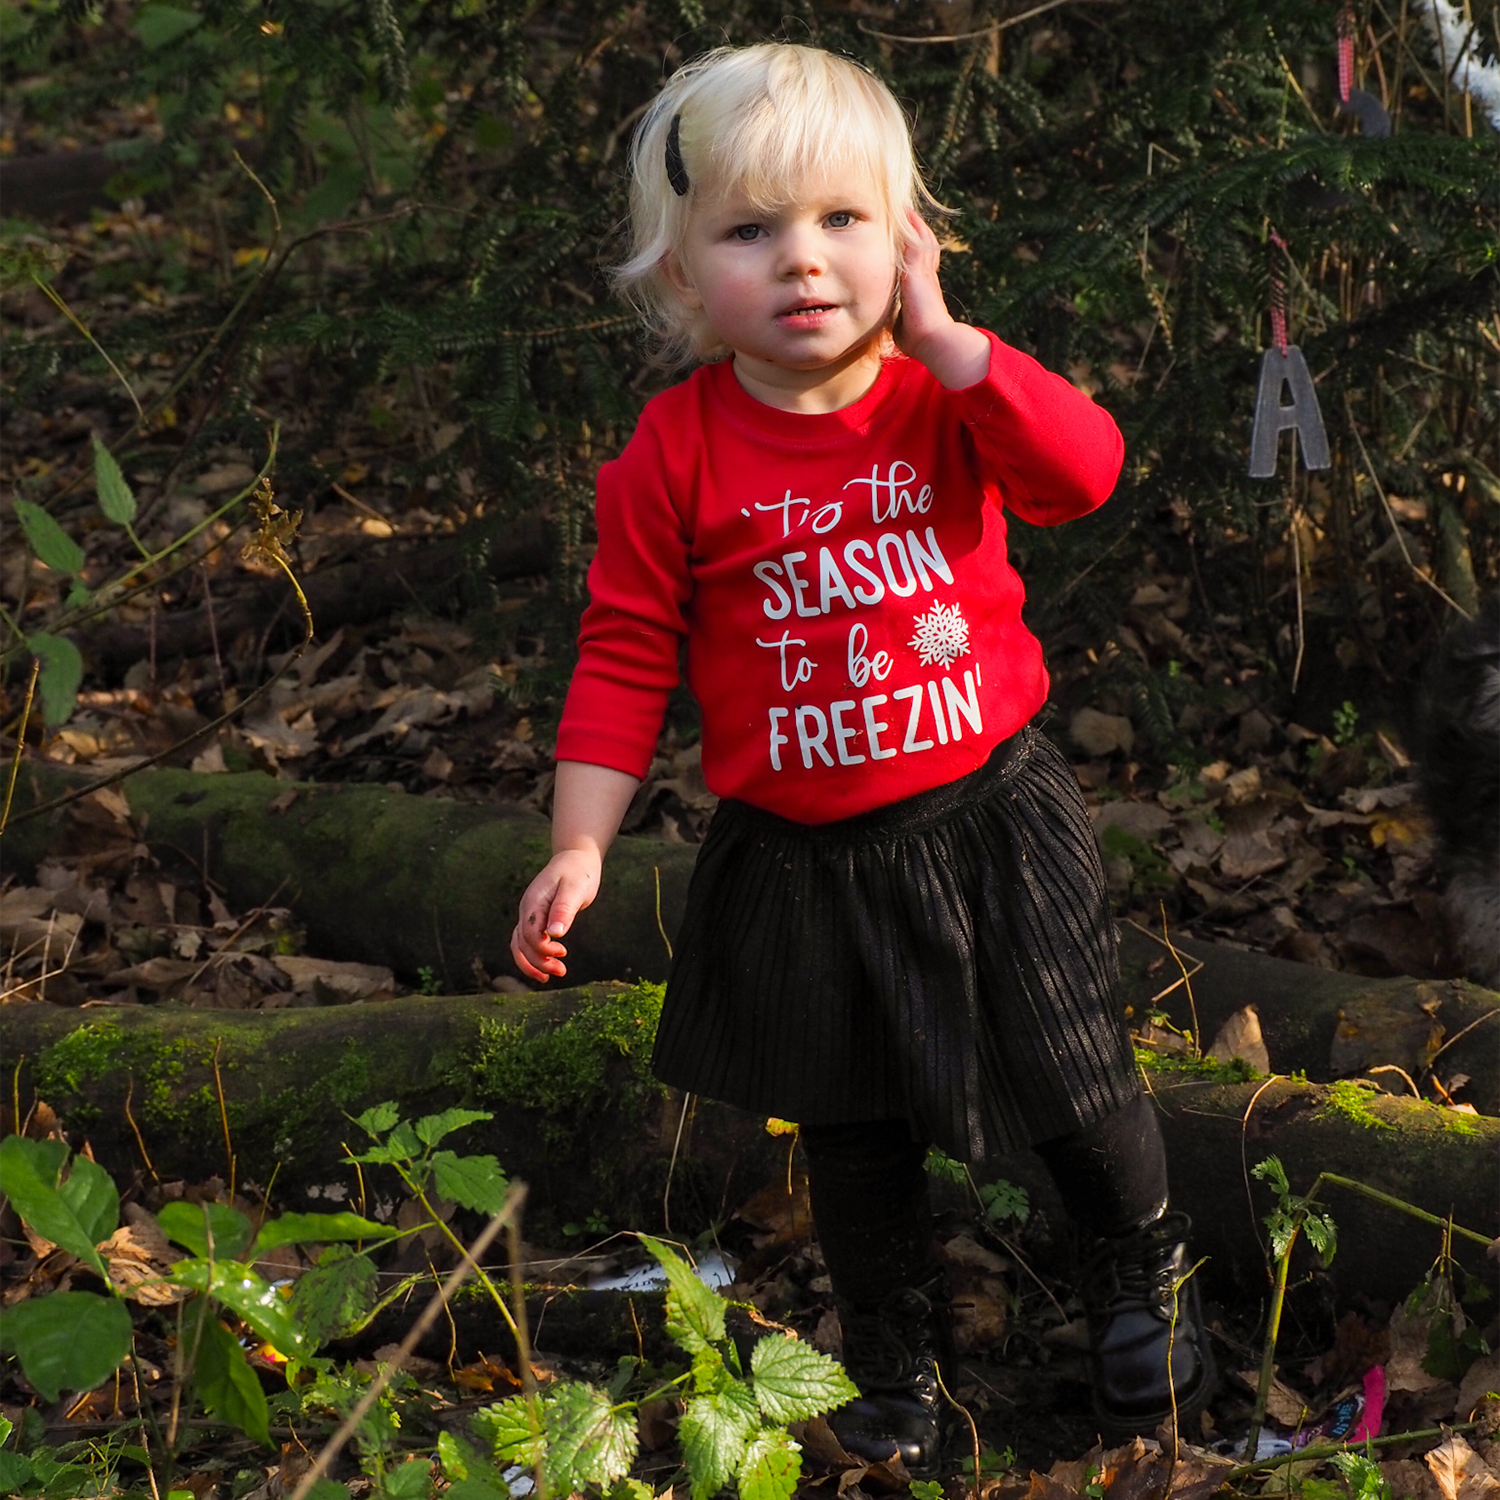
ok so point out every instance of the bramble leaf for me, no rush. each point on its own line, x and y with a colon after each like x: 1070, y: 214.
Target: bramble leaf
x: 89, y: 1191
x: 28, y: 1177
x: 378, y: 1118
x: 227, y: 1385
x: 60, y: 676
x: 67, y: 1341
x: 193, y: 1225
x: 332, y: 1296
x: 473, y: 1181
x: 515, y: 1437
x: 695, y: 1313
x: 432, y: 1128
x: 246, y: 1295
x: 49, y: 541
x: 588, y: 1442
x: 304, y: 1229
x: 793, y: 1381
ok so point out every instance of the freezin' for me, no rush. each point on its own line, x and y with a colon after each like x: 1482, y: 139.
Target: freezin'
x: 934, y: 713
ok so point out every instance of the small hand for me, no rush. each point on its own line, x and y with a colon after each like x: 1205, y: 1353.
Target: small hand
x: 923, y: 309
x: 957, y: 354
x: 565, y: 887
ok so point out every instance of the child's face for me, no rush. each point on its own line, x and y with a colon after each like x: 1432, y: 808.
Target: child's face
x: 800, y: 293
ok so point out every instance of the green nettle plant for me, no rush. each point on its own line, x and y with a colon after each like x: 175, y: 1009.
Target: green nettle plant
x: 734, y: 1423
x: 576, y: 1436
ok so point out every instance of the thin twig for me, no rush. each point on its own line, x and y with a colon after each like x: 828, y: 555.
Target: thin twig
x: 656, y: 871
x: 666, y: 1192
x: 136, y: 1130
x: 1390, y: 514
x: 224, y: 1118
x: 1393, y: 1068
x: 15, y: 765
x: 968, y: 1417
x: 1245, y: 1159
x: 1187, y: 980
x: 968, y: 36
x: 1332, y: 1450
x: 1489, y: 1015
x: 456, y: 1278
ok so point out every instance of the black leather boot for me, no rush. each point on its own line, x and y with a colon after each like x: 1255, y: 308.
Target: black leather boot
x: 1147, y: 1345
x: 893, y: 1353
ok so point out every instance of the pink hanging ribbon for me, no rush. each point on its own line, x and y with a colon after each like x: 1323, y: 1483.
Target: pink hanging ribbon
x: 1278, y: 294
x: 1346, y: 52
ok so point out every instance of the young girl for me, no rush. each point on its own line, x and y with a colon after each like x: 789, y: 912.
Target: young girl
x: 897, y: 932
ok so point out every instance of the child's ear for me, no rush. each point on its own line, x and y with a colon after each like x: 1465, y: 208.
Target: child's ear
x: 680, y: 282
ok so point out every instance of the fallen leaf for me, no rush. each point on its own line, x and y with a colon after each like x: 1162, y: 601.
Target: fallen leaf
x: 1240, y: 1037
x: 138, y: 1255
x: 965, y: 1250
x: 1460, y: 1473
x: 1482, y: 1378
x: 1101, y: 734
x: 350, y: 980
x: 1403, y: 1371
x: 1143, y: 820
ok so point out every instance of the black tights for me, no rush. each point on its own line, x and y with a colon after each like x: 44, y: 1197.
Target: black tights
x: 868, y: 1187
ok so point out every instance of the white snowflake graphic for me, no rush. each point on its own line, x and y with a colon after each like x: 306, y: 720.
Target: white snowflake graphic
x: 942, y: 636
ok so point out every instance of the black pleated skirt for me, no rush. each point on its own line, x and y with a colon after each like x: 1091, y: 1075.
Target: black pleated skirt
x: 949, y: 959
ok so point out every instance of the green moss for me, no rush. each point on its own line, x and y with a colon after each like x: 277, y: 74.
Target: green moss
x: 347, y: 1086
x: 1185, y: 1065
x: 103, y: 1051
x: 1349, y: 1099
x: 567, y: 1067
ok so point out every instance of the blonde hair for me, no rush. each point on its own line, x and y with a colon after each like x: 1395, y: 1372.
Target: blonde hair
x: 754, y: 120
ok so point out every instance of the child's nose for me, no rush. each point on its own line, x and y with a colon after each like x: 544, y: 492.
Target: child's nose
x: 801, y: 254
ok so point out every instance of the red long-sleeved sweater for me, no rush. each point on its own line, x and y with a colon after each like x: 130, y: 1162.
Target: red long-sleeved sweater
x: 853, y: 625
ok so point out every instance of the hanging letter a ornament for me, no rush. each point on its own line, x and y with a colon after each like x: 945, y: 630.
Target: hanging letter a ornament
x: 1282, y: 368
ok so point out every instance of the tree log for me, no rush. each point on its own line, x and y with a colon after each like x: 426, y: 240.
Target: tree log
x: 1324, y: 1023
x: 578, y: 1115
x: 378, y: 876
x: 346, y: 594
x: 426, y: 883
x: 55, y: 185
x: 579, y: 1118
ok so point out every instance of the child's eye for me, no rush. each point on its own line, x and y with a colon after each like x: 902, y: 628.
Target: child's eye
x: 842, y: 219
x: 746, y: 232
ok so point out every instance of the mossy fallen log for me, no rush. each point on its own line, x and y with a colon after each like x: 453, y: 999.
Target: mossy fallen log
x: 578, y: 1116
x: 420, y: 883
x: 1323, y: 1023
x: 377, y: 876
x: 1435, y: 1159
x: 170, y: 1092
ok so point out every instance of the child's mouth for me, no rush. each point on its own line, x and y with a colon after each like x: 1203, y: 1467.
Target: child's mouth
x: 808, y: 312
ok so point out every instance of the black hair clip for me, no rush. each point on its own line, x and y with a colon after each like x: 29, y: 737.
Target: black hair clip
x: 676, y: 171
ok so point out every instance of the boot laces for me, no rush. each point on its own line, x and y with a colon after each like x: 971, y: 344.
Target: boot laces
x: 1141, y: 1267
x: 890, y: 1348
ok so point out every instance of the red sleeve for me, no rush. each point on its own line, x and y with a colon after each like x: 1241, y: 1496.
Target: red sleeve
x: 1055, y: 454
x: 639, y: 585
